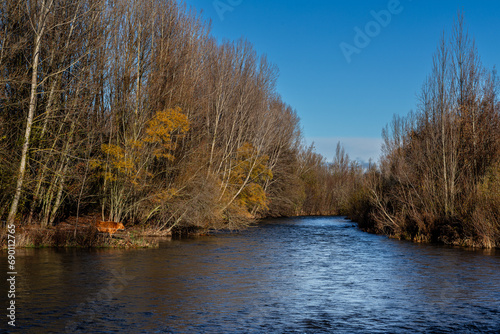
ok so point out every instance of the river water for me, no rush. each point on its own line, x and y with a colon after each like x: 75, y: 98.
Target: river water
x: 299, y: 275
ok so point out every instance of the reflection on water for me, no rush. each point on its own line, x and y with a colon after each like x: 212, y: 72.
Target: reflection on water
x: 301, y: 275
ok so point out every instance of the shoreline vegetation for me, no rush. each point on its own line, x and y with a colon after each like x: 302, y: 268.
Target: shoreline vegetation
x: 134, y: 113
x: 439, y: 175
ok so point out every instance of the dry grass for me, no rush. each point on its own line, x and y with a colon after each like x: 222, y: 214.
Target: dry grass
x: 62, y: 236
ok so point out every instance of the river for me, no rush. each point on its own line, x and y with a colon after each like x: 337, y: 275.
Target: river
x: 297, y: 275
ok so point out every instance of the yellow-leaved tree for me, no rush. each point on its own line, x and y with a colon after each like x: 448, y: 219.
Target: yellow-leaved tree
x: 249, y: 174
x: 162, y: 127
x: 126, y: 165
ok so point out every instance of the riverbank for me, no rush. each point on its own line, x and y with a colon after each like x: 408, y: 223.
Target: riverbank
x: 439, y: 233
x: 82, y: 233
x: 37, y: 237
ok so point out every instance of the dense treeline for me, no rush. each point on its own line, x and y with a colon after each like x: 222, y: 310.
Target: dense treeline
x: 133, y: 110
x: 439, y: 177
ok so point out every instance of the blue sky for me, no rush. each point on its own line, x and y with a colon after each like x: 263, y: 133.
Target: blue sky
x: 351, y: 101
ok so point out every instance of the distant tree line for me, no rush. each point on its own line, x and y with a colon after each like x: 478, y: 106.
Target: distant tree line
x: 439, y: 176
x: 133, y: 110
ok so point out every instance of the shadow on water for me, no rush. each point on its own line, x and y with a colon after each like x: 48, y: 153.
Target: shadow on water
x: 297, y: 275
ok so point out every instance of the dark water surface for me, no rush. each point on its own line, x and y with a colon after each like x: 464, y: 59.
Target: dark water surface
x: 300, y: 275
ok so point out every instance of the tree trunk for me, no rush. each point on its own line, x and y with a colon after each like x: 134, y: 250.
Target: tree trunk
x: 31, y: 112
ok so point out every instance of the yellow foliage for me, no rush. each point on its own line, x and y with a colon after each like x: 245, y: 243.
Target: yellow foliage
x: 253, y: 195
x: 137, y: 144
x: 161, y: 128
x: 165, y: 195
x: 164, y: 124
x: 95, y: 164
x: 108, y: 176
x: 490, y: 187
x: 113, y: 150
x: 246, y: 158
x: 250, y: 165
x: 124, y: 163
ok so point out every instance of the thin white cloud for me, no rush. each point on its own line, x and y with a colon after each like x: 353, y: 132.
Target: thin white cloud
x: 358, y: 148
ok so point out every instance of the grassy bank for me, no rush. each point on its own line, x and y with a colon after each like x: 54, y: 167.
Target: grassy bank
x: 85, y: 237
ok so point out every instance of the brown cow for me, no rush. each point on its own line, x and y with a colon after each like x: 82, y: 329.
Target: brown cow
x: 109, y: 227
